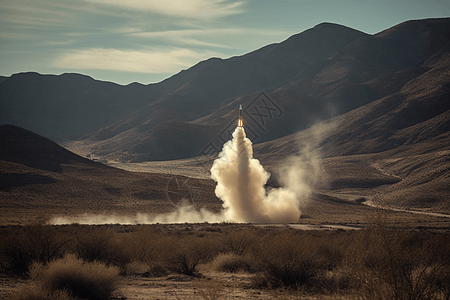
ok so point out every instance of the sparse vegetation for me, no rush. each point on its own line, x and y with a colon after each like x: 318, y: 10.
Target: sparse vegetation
x: 22, y: 246
x: 289, y: 260
x: 184, y: 261
x: 388, y: 264
x: 375, y: 263
x: 232, y: 263
x: 80, y: 279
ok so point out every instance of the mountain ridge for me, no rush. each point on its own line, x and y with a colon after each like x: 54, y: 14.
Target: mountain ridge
x: 207, y: 84
x: 314, y: 75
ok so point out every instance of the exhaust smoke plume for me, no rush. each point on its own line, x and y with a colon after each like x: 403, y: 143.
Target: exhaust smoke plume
x: 241, y: 183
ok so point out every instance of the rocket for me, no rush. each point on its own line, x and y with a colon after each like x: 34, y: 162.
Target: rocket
x: 240, y: 123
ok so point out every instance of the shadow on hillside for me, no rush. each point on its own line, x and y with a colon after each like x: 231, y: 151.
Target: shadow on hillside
x: 12, y: 180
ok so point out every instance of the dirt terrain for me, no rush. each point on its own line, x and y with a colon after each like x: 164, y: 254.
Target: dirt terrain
x: 38, y: 186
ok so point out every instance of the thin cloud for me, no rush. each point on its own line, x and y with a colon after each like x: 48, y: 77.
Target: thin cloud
x: 195, y: 42
x: 208, y: 32
x: 199, y: 9
x: 17, y: 36
x: 186, y: 36
x: 22, y: 19
x: 204, y: 36
x: 153, y: 61
x: 32, y: 13
x: 61, y: 43
x: 188, y: 32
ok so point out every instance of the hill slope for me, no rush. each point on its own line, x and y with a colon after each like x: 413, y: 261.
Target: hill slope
x: 362, y: 71
x: 315, y: 75
x: 72, y: 104
x: 39, y: 179
x: 394, y: 151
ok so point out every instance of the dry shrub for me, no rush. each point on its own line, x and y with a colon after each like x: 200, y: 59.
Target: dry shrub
x: 238, y: 241
x: 120, y: 249
x: 140, y: 245
x: 288, y: 260
x: 184, y: 260
x: 332, y: 282
x: 400, y: 264
x: 85, y: 280
x: 23, y: 245
x: 183, y: 255
x: 96, y: 244
x: 104, y: 245
x: 156, y: 270
x: 232, y: 263
x: 135, y: 268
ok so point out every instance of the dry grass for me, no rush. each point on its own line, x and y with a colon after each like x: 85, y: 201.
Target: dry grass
x: 232, y: 263
x: 188, y: 254
x: 80, y: 279
x: 375, y: 263
x: 387, y: 264
x: 23, y: 245
x: 289, y: 260
x: 239, y: 241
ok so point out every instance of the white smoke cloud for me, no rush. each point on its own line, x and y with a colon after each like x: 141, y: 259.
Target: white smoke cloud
x: 301, y: 173
x: 241, y: 183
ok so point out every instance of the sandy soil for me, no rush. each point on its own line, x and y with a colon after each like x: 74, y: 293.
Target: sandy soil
x: 211, y: 285
x: 9, y: 285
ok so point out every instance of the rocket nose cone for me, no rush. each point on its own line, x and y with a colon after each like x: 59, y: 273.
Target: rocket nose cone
x: 240, y: 107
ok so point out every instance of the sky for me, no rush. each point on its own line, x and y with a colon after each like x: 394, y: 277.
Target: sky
x: 146, y: 41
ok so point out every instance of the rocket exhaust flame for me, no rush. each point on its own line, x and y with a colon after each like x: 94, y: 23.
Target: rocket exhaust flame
x: 240, y: 122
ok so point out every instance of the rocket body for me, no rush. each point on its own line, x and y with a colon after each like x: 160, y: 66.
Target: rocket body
x: 240, y: 123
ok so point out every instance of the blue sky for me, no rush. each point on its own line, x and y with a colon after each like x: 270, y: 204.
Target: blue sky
x: 124, y: 41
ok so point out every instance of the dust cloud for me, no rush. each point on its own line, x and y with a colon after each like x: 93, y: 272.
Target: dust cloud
x: 241, y: 181
x: 184, y: 214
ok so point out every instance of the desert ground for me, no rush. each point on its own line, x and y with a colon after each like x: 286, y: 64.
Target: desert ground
x: 324, y: 213
x: 340, y: 227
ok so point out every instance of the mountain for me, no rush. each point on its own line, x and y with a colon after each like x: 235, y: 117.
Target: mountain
x: 393, y: 151
x: 26, y: 148
x: 350, y: 69
x: 71, y: 105
x: 54, y: 105
x: 315, y: 75
x: 39, y: 177
x: 66, y: 105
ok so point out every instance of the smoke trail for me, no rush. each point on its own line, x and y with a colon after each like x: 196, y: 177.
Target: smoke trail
x: 240, y: 184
